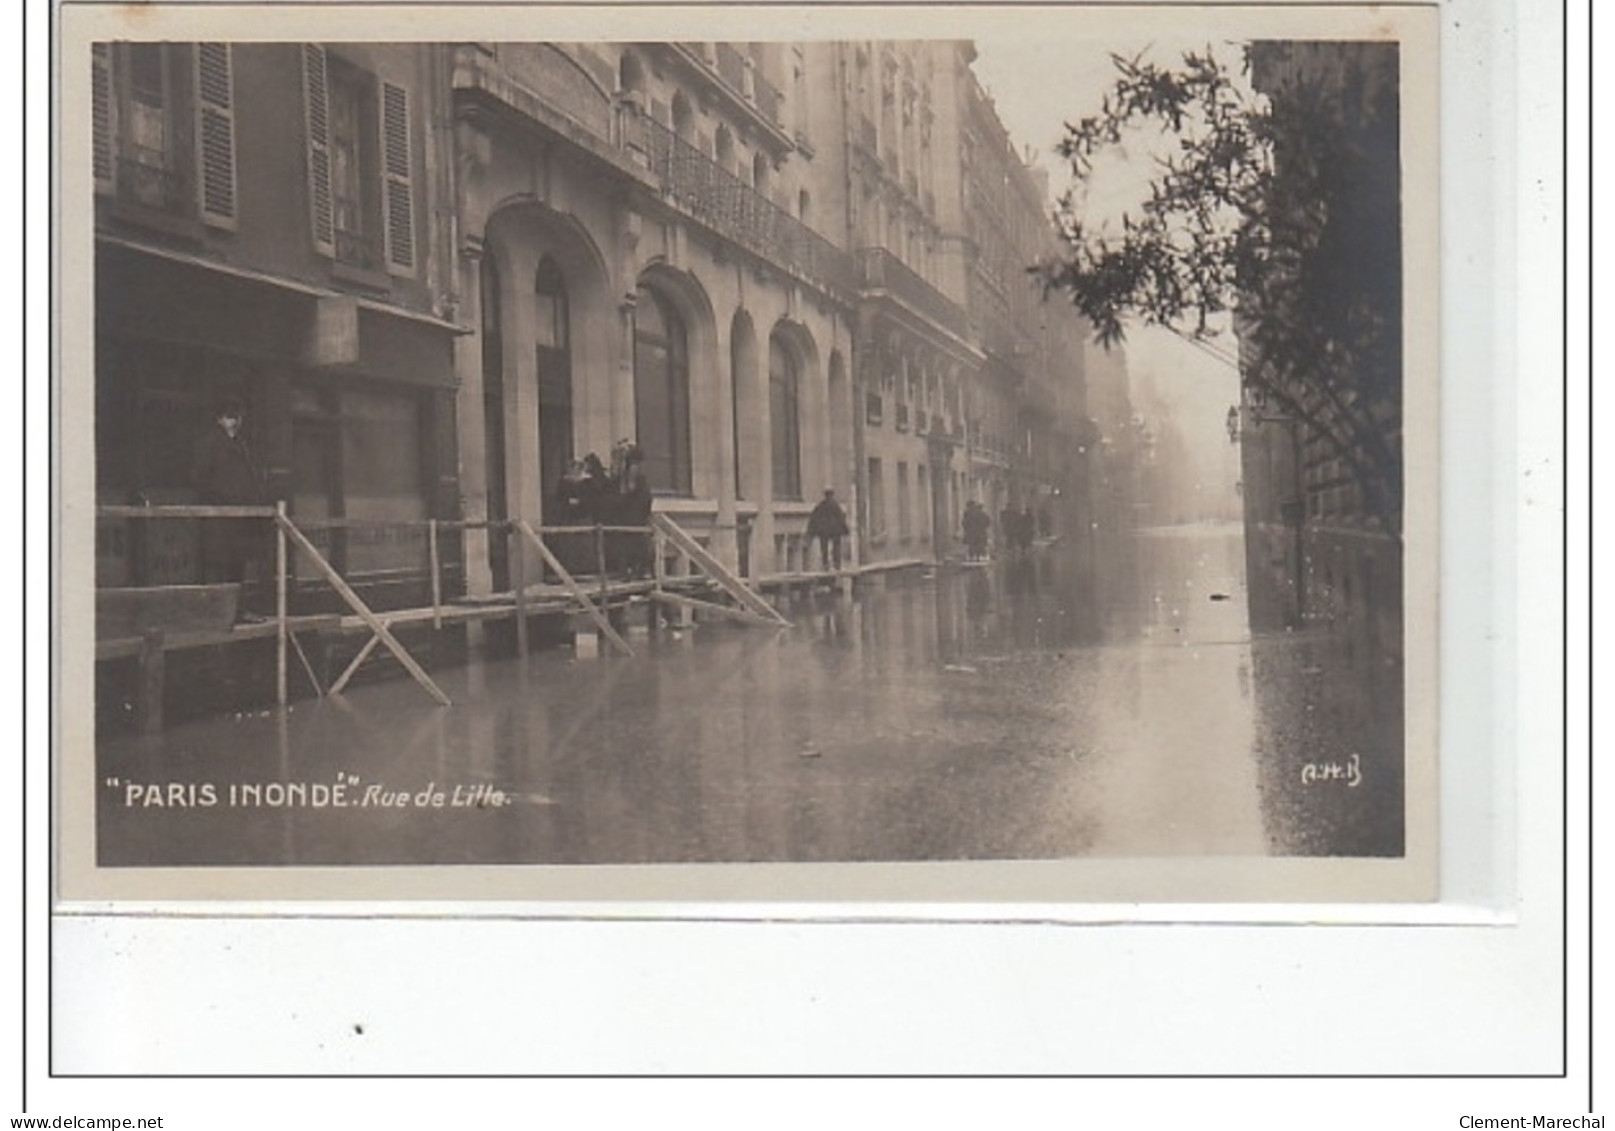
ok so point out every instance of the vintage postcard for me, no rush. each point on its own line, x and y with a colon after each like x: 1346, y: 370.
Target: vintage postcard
x: 802, y: 456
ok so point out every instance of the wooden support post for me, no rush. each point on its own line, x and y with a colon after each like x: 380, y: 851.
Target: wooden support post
x: 437, y: 581
x: 653, y: 615
x: 575, y: 590
x: 375, y: 623
x: 600, y: 559
x: 280, y: 602
x: 149, y: 694
x: 521, y: 597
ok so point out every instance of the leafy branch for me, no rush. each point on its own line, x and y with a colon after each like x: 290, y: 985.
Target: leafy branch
x: 1277, y: 210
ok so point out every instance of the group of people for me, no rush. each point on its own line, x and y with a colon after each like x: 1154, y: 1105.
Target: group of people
x: 1017, y: 529
x: 590, y: 494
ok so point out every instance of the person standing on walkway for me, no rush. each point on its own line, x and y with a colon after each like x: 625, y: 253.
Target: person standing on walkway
x: 828, y: 523
x: 226, y: 473
x: 634, y: 509
x: 976, y: 525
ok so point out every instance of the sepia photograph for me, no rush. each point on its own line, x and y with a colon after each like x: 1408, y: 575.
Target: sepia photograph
x: 992, y: 464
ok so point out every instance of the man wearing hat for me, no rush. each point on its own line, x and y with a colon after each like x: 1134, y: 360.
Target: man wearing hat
x: 226, y: 473
x: 828, y: 523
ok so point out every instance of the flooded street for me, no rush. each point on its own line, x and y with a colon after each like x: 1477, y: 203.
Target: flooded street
x: 1068, y: 703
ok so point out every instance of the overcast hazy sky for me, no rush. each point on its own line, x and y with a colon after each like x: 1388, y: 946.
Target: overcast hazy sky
x: 1039, y: 84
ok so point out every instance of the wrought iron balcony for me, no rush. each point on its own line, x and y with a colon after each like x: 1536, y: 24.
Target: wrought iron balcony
x: 723, y: 202
x: 879, y: 269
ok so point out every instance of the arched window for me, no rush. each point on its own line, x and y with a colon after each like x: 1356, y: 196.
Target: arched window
x: 554, y: 362
x: 550, y: 291
x: 760, y: 170
x: 662, y: 393
x: 804, y: 206
x: 784, y: 386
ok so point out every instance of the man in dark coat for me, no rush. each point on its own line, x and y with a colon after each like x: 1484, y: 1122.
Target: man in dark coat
x: 976, y: 526
x: 226, y: 473
x: 634, y: 509
x: 828, y: 523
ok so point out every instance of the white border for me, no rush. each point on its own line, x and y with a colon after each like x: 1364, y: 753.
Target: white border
x: 283, y: 994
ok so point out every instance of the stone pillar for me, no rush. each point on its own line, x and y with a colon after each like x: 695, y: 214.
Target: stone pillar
x: 763, y: 558
x: 622, y: 417
x: 522, y: 489
x: 472, y: 431
x: 719, y: 394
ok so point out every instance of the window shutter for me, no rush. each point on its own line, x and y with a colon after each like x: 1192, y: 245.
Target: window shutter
x: 216, y: 134
x: 396, y: 166
x: 103, y: 109
x: 315, y: 112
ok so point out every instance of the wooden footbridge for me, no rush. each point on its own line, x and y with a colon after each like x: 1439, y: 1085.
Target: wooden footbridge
x: 696, y: 585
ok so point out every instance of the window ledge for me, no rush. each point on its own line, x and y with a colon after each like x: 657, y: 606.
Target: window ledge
x: 188, y: 228
x: 366, y: 277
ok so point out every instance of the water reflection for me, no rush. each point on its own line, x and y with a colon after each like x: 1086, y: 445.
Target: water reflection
x: 1065, y: 703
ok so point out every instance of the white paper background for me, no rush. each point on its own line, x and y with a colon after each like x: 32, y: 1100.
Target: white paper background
x: 255, y: 995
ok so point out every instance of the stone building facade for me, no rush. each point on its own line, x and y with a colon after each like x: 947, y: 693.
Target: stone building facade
x: 439, y: 272
x: 269, y: 228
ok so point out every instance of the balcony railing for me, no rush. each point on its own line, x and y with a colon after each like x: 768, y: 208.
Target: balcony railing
x: 717, y: 198
x: 879, y: 269
x: 540, y: 82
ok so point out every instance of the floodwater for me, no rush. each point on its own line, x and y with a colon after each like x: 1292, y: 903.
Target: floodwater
x: 1074, y: 702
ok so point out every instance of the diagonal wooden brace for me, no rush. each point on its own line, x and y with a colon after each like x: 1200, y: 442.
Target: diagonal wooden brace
x: 572, y: 587
x: 375, y: 623
x: 727, y: 612
x: 713, y: 568
x: 353, y: 666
